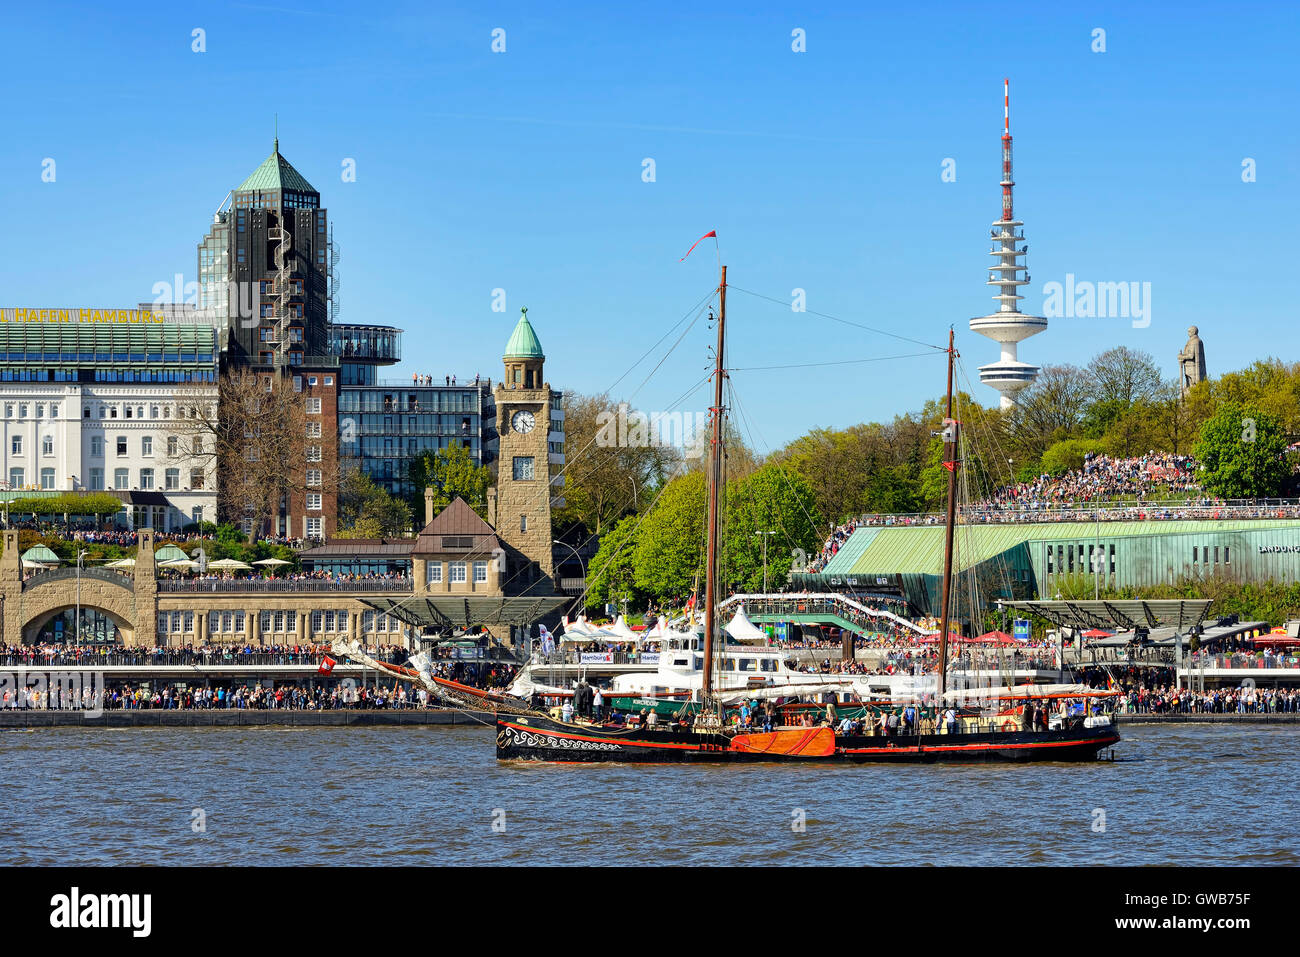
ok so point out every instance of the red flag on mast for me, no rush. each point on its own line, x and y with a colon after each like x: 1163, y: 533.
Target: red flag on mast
x: 711, y: 232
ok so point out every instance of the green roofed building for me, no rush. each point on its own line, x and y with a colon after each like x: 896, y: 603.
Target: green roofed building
x: 1024, y: 561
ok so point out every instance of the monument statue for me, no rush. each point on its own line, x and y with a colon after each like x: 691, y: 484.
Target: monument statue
x: 1191, y: 361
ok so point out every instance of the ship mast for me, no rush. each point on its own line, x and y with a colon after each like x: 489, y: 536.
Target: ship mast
x: 715, y: 484
x: 951, y: 464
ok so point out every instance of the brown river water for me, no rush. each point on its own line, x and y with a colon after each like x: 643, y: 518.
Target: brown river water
x: 1180, y: 794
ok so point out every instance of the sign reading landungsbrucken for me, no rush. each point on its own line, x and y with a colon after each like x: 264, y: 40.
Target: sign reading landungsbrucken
x: 80, y: 315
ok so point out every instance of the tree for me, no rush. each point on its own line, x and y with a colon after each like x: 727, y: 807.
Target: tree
x: 1068, y: 455
x: 451, y: 473
x: 773, y: 499
x: 612, y: 574
x: 253, y: 437
x: 670, y: 546
x: 1243, y: 453
x: 615, y: 457
x: 1123, y: 374
x: 367, y: 511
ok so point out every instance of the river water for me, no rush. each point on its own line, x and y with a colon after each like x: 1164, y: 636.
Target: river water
x: 1178, y: 794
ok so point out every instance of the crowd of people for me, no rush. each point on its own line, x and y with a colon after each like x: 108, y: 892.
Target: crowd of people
x: 1167, y: 699
x: 1104, y: 478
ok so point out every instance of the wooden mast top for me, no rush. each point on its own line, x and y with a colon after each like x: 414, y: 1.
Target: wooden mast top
x: 715, y: 483
x: 950, y: 427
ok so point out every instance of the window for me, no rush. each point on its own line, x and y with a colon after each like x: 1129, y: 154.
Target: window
x: 433, y: 573
x: 313, y: 406
x: 146, y: 479
x: 1227, y: 554
x: 97, y: 480
x: 9, y: 410
x: 40, y: 410
x: 311, y: 380
x: 47, y: 478
x: 313, y: 453
x: 523, y: 523
x: 121, y: 478
x: 96, y: 445
x: 313, y: 501
x: 16, y: 478
x: 22, y: 411
x: 128, y: 412
x: 153, y: 411
x: 16, y: 445
x: 313, y: 430
x: 329, y: 380
x: 457, y: 572
x: 314, y: 528
x: 313, y: 477
x: 295, y: 334
x: 86, y: 412
x: 146, y: 445
x: 47, y: 445
x: 523, y: 468
x: 480, y: 572
x: 196, y: 479
x: 172, y: 479
x: 121, y: 446
x: 171, y: 446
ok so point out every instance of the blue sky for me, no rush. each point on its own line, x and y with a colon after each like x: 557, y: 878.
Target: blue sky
x: 820, y: 170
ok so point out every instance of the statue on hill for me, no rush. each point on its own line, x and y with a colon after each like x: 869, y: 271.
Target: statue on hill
x: 1191, y: 361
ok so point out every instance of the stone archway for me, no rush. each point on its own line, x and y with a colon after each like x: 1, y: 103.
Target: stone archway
x: 39, y: 628
x: 38, y: 603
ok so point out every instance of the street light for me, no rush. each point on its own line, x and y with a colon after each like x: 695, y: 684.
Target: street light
x: 581, y: 567
x: 80, y: 555
x: 765, y: 537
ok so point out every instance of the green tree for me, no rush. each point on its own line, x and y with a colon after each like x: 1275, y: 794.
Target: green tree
x: 367, y: 511
x: 670, y: 546
x: 450, y: 472
x: 1067, y: 455
x: 773, y: 499
x: 612, y: 574
x: 1243, y: 454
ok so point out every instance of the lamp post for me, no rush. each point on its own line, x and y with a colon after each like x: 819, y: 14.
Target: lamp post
x: 581, y: 567
x: 764, y: 536
x: 80, y: 556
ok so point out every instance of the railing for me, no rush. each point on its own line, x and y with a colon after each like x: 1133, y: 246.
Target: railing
x: 244, y: 585
x: 1209, y: 662
x: 146, y: 658
x: 69, y: 574
x: 1118, y: 510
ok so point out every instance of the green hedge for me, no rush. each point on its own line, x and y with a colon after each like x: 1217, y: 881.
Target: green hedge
x: 94, y: 504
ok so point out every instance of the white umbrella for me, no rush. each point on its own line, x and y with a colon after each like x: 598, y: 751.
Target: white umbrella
x: 230, y: 563
x: 180, y: 563
x: 122, y: 563
x: 270, y: 561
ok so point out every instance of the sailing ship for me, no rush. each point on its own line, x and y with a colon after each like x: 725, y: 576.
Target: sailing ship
x: 965, y: 726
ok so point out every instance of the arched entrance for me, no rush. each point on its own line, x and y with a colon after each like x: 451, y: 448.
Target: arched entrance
x: 98, y: 627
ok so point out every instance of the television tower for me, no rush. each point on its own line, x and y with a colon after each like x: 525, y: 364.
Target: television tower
x: 1008, y: 326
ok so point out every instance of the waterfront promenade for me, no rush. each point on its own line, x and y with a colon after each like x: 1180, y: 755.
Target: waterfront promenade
x: 25, y: 718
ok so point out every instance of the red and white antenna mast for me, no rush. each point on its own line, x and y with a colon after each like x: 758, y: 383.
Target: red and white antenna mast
x: 1007, y: 181
x: 1008, y: 326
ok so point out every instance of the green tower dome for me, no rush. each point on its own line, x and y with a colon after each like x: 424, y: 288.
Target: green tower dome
x: 523, y: 342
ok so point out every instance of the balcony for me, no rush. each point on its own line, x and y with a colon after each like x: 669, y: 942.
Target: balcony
x: 366, y: 343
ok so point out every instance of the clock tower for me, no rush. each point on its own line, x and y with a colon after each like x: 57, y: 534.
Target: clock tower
x: 522, y: 516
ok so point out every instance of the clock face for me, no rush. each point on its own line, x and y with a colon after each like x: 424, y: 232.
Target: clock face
x: 522, y: 422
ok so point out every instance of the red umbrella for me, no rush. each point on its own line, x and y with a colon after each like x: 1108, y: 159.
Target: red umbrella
x: 933, y: 639
x: 1097, y: 633
x: 996, y: 638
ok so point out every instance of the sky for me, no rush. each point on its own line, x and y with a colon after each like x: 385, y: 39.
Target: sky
x: 822, y: 170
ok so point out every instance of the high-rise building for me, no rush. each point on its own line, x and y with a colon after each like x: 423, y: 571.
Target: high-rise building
x: 266, y: 268
x: 1008, y: 326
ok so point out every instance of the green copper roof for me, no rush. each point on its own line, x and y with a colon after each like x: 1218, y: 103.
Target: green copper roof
x: 276, y: 173
x: 523, y: 342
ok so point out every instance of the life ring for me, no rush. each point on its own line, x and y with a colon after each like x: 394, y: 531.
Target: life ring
x: 1010, y: 725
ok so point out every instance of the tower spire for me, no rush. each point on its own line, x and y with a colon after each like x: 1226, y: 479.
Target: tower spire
x: 1008, y: 326
x: 276, y: 147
